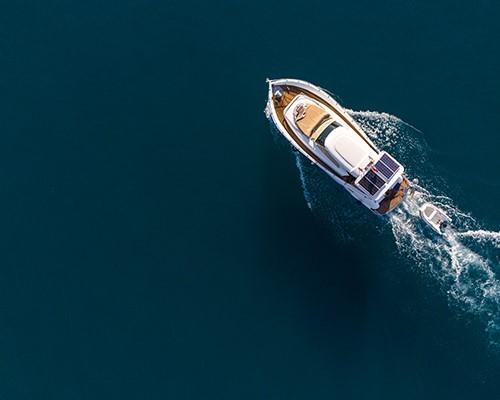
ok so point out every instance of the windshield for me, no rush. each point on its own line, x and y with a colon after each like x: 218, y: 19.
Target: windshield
x: 322, y: 137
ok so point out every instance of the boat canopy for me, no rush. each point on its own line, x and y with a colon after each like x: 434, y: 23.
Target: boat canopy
x: 350, y: 150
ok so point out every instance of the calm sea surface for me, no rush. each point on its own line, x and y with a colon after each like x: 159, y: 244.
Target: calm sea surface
x: 155, y: 235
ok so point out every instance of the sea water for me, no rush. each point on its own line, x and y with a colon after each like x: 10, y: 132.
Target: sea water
x: 465, y: 260
x: 155, y: 242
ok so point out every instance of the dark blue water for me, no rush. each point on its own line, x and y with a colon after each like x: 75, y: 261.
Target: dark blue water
x: 156, y: 240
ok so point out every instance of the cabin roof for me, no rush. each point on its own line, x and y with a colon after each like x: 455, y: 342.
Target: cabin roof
x: 309, y: 116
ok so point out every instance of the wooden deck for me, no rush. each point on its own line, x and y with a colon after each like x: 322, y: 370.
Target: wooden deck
x: 393, y: 197
x: 290, y: 92
x: 280, y: 106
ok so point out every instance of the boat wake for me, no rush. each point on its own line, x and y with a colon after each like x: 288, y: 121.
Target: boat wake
x: 464, y: 261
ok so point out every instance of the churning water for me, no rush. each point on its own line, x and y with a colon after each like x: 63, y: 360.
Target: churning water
x: 464, y: 261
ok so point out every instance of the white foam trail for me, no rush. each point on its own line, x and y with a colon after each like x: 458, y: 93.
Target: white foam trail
x: 461, y: 260
x: 465, y: 260
x: 482, y: 235
x: 465, y: 271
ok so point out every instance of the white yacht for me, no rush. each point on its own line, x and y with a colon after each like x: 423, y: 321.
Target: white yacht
x: 317, y: 126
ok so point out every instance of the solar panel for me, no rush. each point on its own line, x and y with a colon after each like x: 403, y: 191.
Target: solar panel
x: 371, y: 182
x: 384, y: 170
x: 387, y: 166
x: 375, y: 179
x: 369, y: 187
x: 390, y: 162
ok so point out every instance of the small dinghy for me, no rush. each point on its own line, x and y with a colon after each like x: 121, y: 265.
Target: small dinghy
x: 434, y: 217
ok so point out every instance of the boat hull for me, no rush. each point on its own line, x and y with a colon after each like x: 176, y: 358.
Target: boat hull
x: 434, y: 217
x: 289, y: 89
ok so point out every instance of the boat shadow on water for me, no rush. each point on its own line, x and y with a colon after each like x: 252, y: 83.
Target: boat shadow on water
x: 463, y: 262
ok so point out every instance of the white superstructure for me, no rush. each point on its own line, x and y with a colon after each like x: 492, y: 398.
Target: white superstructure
x: 316, y: 125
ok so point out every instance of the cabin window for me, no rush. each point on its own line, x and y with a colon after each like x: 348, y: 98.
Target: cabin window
x: 322, y: 137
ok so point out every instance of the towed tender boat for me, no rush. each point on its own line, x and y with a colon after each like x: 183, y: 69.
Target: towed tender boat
x: 434, y: 217
x: 317, y: 126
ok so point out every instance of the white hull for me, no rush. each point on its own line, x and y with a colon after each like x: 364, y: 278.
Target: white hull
x: 434, y: 217
x: 324, y: 161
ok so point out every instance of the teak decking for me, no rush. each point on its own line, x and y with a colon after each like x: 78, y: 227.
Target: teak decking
x: 393, y: 197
